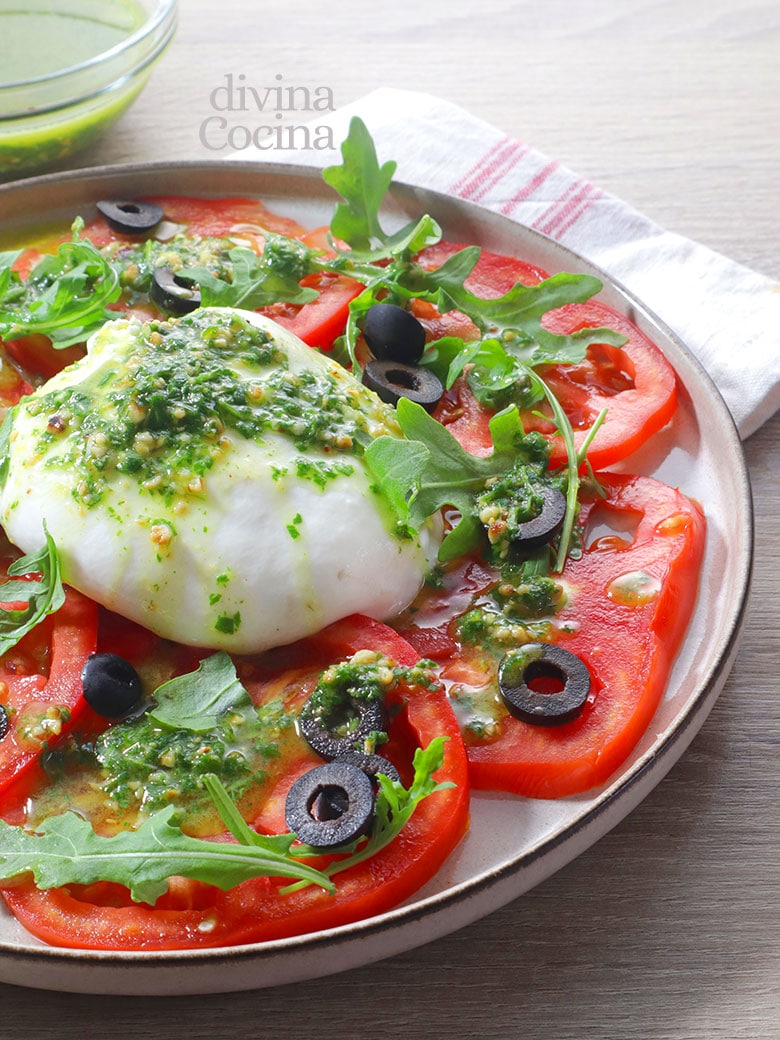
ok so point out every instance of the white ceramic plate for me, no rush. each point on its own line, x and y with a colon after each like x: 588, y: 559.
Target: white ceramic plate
x: 513, y: 843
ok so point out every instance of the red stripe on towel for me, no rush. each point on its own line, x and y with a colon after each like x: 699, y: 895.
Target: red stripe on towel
x: 529, y: 187
x: 559, y: 211
x: 574, y: 217
x: 494, y: 165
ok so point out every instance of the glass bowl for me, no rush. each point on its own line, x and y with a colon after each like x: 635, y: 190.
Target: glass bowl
x: 69, y: 68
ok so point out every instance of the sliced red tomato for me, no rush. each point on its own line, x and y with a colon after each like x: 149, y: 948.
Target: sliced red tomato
x: 40, y: 684
x: 320, y: 322
x: 631, y: 596
x: 38, y: 359
x: 196, y: 915
x: 13, y: 386
x: 635, y: 383
x: 208, y: 217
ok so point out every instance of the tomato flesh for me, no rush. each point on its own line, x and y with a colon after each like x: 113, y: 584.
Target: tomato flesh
x: 631, y: 598
x: 196, y: 915
x: 40, y: 684
x: 635, y: 383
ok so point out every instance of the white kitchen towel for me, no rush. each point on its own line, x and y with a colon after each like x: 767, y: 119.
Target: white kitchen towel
x: 727, y: 314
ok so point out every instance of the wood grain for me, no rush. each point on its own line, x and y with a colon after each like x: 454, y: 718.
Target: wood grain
x: 669, y: 928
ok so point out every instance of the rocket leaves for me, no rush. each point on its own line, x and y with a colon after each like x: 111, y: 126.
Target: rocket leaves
x: 64, y: 297
x: 430, y: 470
x: 195, y: 701
x: 66, y: 850
x: 258, y: 281
x: 26, y: 602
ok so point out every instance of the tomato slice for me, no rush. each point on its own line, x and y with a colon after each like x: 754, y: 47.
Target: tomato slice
x: 208, y: 217
x: 40, y: 684
x: 320, y: 322
x: 13, y: 385
x: 631, y: 597
x: 635, y: 383
x: 197, y: 915
x: 39, y: 359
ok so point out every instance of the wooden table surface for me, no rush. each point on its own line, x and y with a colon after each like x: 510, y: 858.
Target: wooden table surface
x: 670, y: 926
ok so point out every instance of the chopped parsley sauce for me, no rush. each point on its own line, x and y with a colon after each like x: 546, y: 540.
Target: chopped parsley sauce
x: 162, y: 411
x: 519, y: 604
x: 138, y: 262
x: 525, y: 597
x: 366, y: 677
x: 139, y: 766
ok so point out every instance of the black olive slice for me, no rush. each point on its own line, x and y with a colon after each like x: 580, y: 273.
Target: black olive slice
x: 539, y: 530
x: 371, y: 718
x: 543, y: 661
x: 370, y: 764
x: 130, y: 217
x: 390, y: 381
x: 3, y: 722
x: 173, y: 293
x: 112, y: 687
x: 393, y: 334
x: 330, y: 805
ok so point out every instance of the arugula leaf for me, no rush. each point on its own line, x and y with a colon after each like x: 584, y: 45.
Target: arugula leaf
x: 395, y: 806
x: 515, y: 318
x: 196, y: 701
x: 10, y: 283
x: 362, y: 184
x: 42, y: 596
x: 258, y: 281
x: 398, y: 467
x: 65, y: 296
x: 444, y: 284
x: 448, y: 357
x: 430, y: 470
x: 65, y: 850
x: 237, y: 825
x: 409, y: 239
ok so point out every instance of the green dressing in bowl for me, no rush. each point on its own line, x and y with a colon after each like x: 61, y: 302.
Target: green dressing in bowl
x: 67, y: 73
x: 38, y: 43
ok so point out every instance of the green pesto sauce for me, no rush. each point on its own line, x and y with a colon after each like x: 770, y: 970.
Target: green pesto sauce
x: 522, y: 604
x: 46, y: 41
x: 140, y: 765
x: 526, y: 596
x: 138, y: 262
x: 513, y: 499
x: 320, y: 471
x: 228, y: 624
x: 518, y: 608
x: 480, y: 712
x: 161, y: 417
x: 286, y: 258
x: 367, y: 676
x: 39, y: 42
